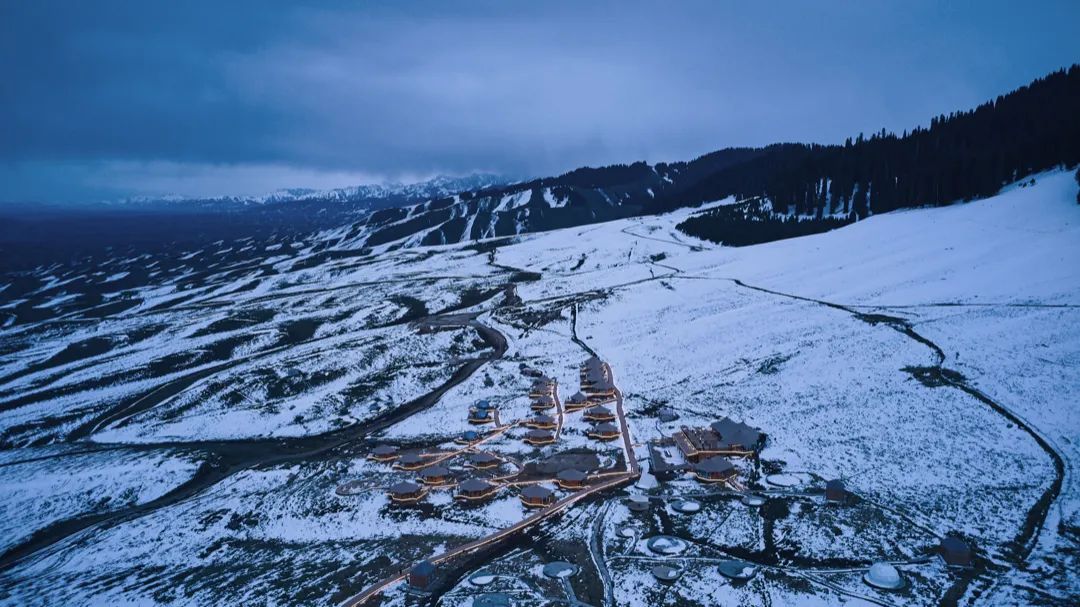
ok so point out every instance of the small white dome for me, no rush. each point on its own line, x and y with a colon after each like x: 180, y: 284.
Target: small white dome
x: 884, y: 575
x: 686, y: 506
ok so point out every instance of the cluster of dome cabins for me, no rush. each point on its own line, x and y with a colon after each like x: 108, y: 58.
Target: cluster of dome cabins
x: 706, y: 452
x: 597, y: 388
x: 431, y: 473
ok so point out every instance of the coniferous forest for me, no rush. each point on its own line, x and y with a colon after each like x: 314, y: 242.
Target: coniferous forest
x: 961, y: 156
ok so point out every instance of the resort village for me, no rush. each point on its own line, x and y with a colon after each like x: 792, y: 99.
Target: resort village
x: 673, y: 475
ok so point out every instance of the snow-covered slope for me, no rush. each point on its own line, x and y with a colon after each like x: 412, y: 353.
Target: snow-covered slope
x: 930, y: 358
x: 992, y: 287
x: 580, y: 197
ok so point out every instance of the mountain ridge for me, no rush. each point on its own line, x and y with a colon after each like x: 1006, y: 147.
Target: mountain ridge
x: 440, y: 185
x: 960, y: 156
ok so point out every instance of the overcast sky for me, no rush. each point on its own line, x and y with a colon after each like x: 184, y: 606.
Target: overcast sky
x: 110, y: 99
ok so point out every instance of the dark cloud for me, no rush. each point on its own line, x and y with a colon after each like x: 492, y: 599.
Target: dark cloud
x: 93, y: 91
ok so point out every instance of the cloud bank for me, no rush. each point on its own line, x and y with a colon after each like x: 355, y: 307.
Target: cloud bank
x: 130, y: 98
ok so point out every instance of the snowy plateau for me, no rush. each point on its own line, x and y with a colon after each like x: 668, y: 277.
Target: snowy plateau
x: 193, y: 427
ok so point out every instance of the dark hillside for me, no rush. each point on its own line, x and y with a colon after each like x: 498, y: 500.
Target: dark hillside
x: 962, y: 156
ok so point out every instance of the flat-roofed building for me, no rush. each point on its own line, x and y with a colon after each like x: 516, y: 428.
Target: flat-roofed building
x: 666, y: 461
x: 667, y: 415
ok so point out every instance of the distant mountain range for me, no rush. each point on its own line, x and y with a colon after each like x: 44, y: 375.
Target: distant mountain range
x: 359, y: 197
x: 31, y: 235
x: 962, y: 156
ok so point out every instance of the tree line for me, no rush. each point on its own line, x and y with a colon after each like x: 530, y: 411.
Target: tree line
x: 960, y: 156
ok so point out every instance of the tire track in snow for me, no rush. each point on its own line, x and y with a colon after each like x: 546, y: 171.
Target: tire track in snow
x: 1026, y: 539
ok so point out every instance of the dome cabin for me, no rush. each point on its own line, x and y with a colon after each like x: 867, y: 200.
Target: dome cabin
x: 435, y: 475
x: 576, y: 401
x: 596, y: 380
x: 541, y: 422
x: 481, y: 416
x: 686, y: 506
x: 411, y: 461
x: 384, y: 453
x: 835, y: 493
x: 714, y: 470
x: 537, y: 496
x: 468, y: 436
x: 606, y: 431
x: 599, y: 414
x: 483, y: 461
x: 955, y: 551
x: 539, y: 437
x: 601, y: 391
x: 592, y: 370
x: 665, y: 574
x: 884, y: 576
x: 544, y: 386
x: 543, y: 403
x: 483, y: 405
x: 570, y: 479
x: 475, y: 489
x: 406, y: 492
